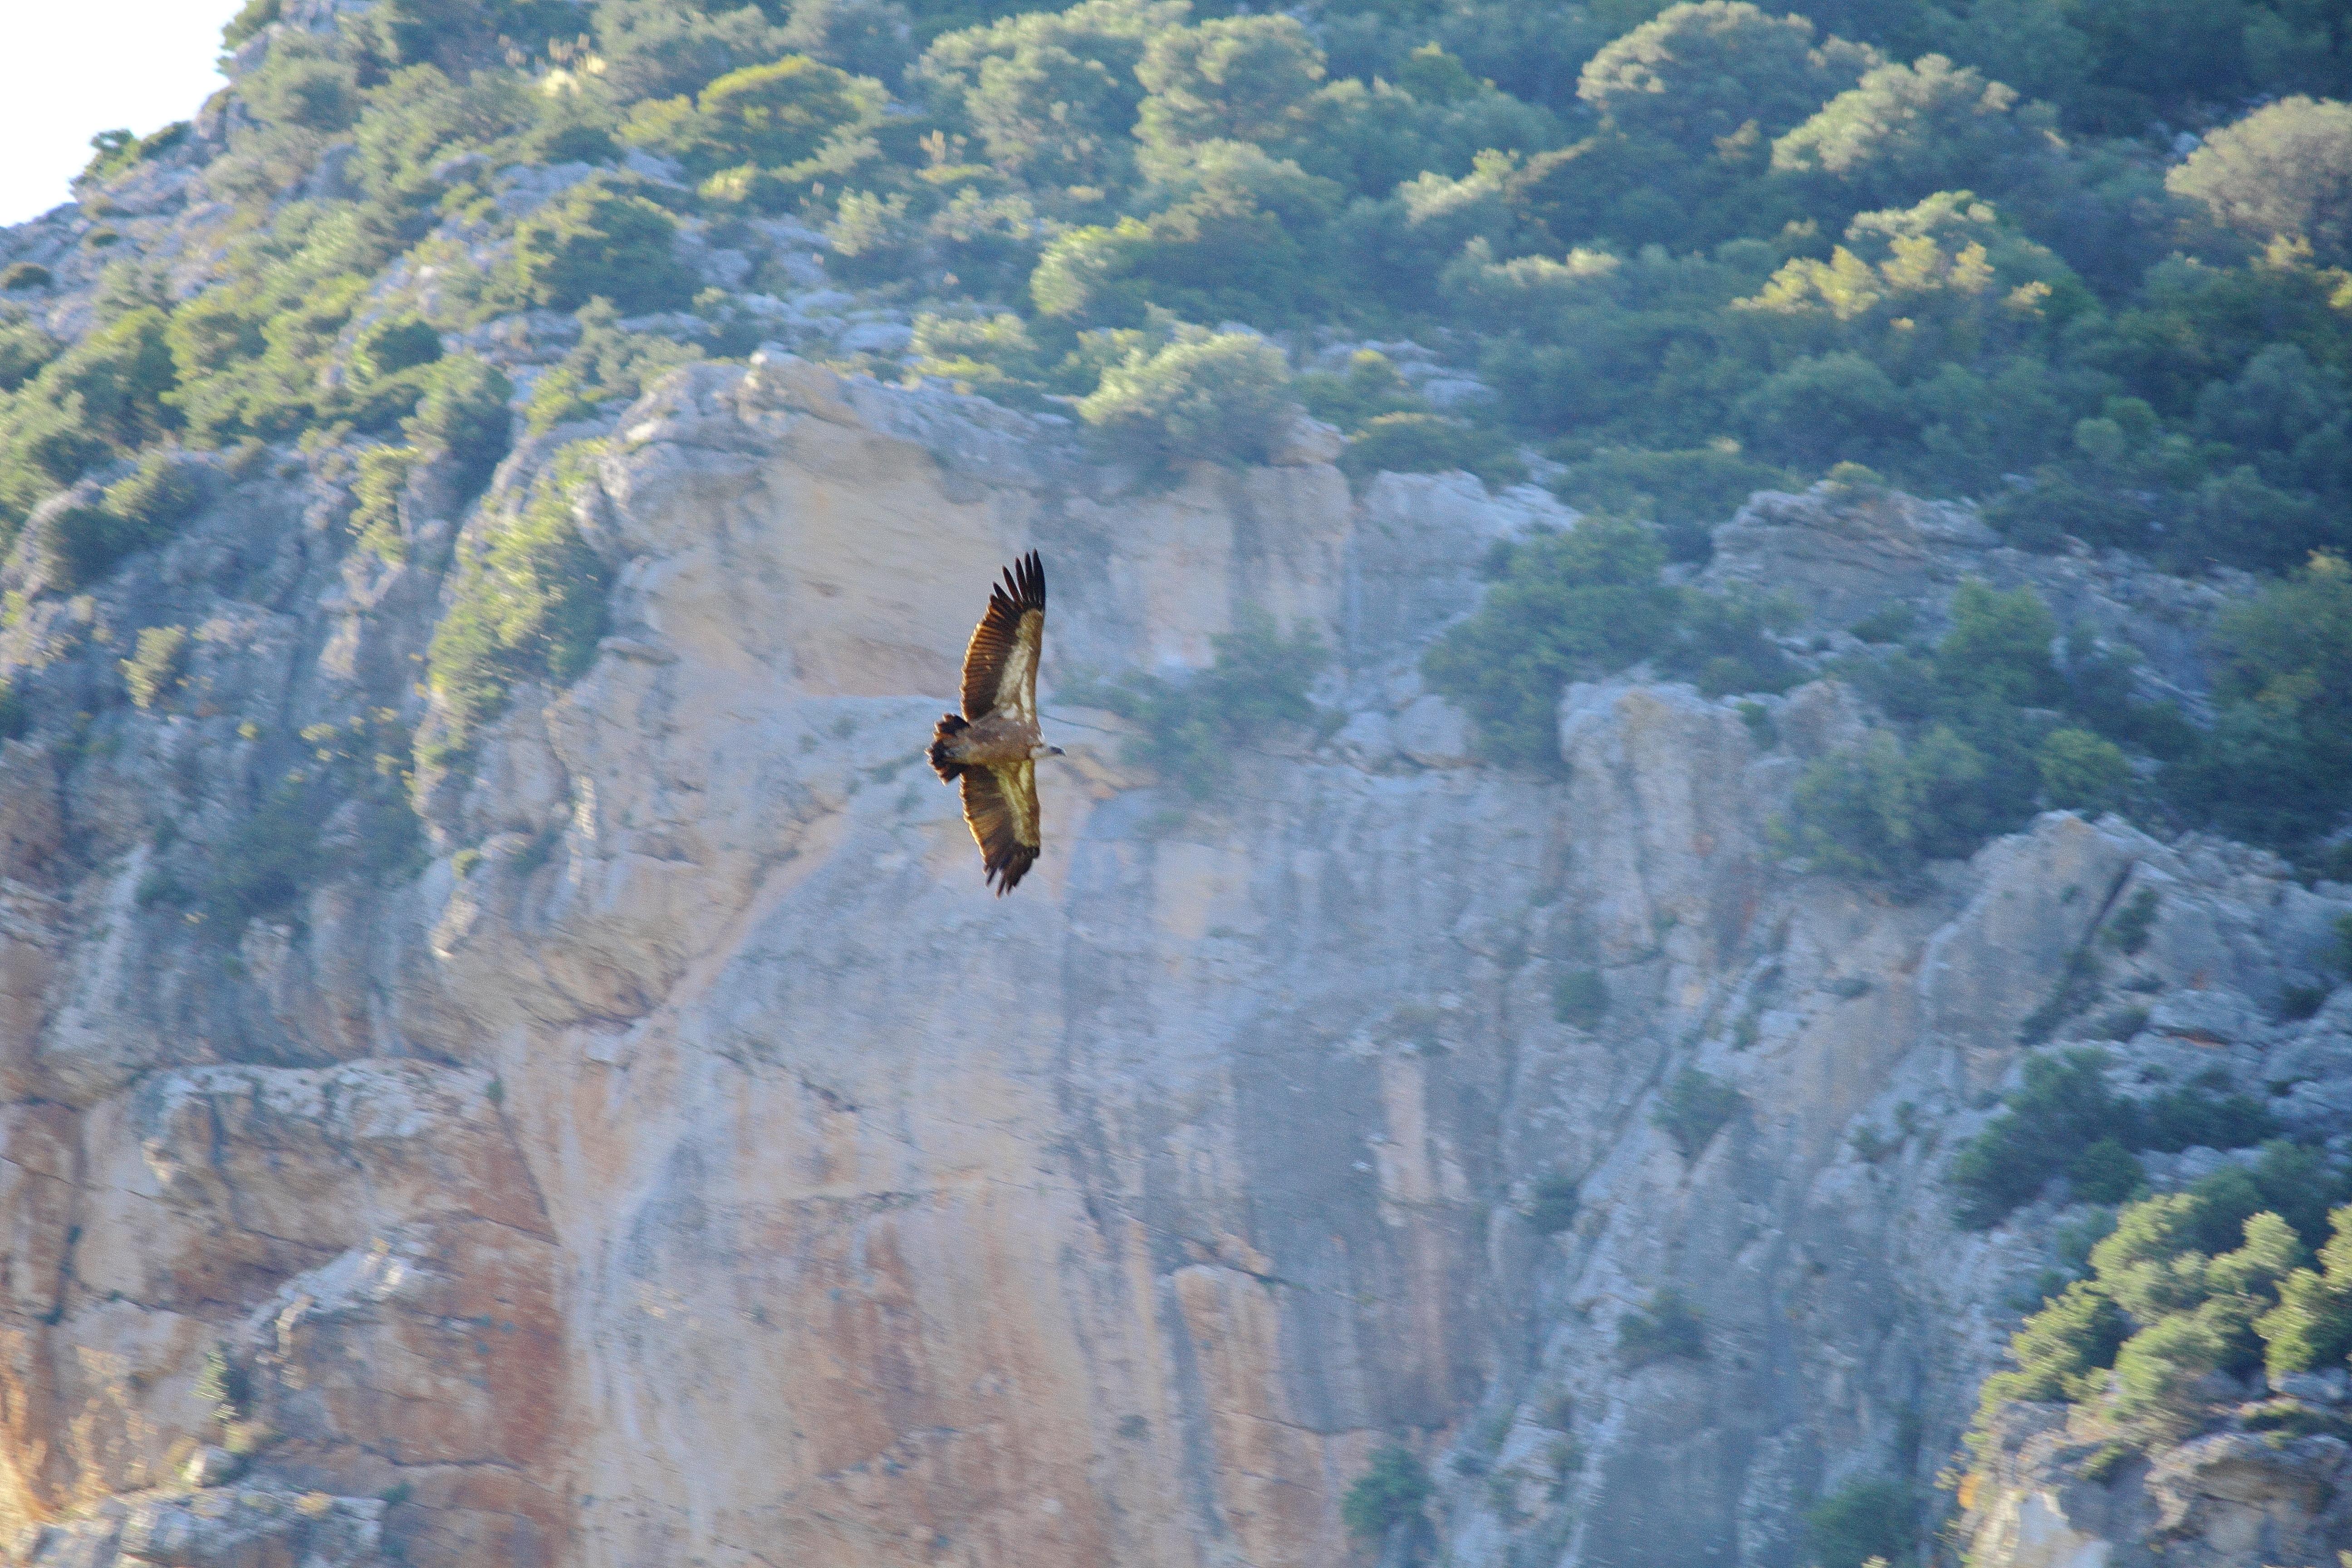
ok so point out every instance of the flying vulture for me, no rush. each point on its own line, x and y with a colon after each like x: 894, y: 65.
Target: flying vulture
x: 993, y: 746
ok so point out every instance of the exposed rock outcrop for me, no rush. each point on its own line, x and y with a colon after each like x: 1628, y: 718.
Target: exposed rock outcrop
x: 2061, y: 1494
x: 693, y: 1163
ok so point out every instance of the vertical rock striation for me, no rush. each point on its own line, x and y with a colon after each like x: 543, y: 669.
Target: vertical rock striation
x: 693, y: 1164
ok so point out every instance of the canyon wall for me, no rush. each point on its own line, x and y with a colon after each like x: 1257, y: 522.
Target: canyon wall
x: 694, y: 1164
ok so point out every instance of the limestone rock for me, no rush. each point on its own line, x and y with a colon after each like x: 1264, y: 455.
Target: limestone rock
x: 209, y: 1466
x: 692, y: 1162
x: 264, y: 1526
x: 1434, y: 733
x: 2061, y: 1498
x: 1303, y: 441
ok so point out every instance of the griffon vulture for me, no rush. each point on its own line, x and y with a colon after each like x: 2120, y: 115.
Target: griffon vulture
x: 993, y: 746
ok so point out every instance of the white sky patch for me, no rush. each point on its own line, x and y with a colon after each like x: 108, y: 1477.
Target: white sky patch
x: 71, y: 68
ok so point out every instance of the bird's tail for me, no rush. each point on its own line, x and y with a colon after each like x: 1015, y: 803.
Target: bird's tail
x: 948, y: 726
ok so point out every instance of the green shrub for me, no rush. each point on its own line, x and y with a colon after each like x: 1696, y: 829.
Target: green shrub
x: 1697, y: 74
x: 1579, y: 997
x: 2081, y: 771
x: 24, y: 350
x: 1552, y: 1205
x: 1430, y: 444
x: 527, y: 604
x: 1692, y: 1109
x: 24, y: 275
x: 251, y: 19
x: 2297, y: 1003
x: 2187, y: 1119
x: 393, y: 344
x: 2311, y: 1327
x: 1191, y: 728
x: 1820, y: 406
x: 2276, y: 767
x: 138, y: 514
x: 1390, y: 1492
x: 1369, y: 388
x: 2064, y: 1104
x: 1904, y: 131
x: 384, y: 474
x: 304, y: 84
x: 251, y: 356
x: 1225, y: 252
x: 1688, y: 493
x: 2062, y: 1352
x: 2078, y: 982
x: 2128, y: 929
x: 1051, y: 96
x: 1668, y: 1327
x: 1723, y: 644
x: 762, y: 124
x: 1860, y: 1521
x: 1972, y: 752
x: 463, y: 420
x: 1580, y: 603
x: 604, y: 364
x: 224, y: 1385
x: 2300, y: 1187
x: 1231, y: 79
x: 105, y: 397
x: 1214, y: 396
x: 1890, y: 623
x: 1565, y: 605
x: 1882, y: 810
x: 2158, y: 1367
x: 154, y: 501
x: 2121, y: 1023
x: 2105, y: 1173
x: 113, y: 151
x: 2279, y: 173
x: 993, y: 356
x: 2186, y: 1284
x: 154, y: 672
x: 1998, y: 646
x: 600, y: 239
x: 266, y: 863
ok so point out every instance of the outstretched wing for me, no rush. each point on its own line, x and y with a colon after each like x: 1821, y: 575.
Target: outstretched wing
x: 1000, y: 666
x: 1000, y: 806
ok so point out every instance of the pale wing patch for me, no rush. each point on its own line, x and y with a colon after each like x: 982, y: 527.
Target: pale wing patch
x: 1021, y: 794
x: 1017, y: 682
x: 1000, y: 664
x: 1000, y: 806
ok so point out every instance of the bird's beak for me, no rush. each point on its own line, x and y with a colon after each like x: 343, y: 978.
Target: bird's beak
x: 1054, y: 750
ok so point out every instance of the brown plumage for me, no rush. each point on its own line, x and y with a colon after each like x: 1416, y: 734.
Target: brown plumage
x: 993, y: 746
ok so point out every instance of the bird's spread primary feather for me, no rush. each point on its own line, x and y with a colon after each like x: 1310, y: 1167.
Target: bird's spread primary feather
x: 1000, y: 664
x: 1000, y: 806
x: 992, y: 745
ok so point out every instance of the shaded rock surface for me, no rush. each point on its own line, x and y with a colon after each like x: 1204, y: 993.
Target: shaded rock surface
x: 2061, y: 1495
x: 692, y: 1163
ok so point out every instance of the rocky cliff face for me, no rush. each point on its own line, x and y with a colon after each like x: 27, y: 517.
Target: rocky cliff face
x: 693, y: 1164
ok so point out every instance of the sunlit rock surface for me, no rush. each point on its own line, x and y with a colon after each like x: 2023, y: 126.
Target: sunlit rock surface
x: 695, y: 1164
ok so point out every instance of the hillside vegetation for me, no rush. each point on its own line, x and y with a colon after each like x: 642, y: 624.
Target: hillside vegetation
x: 2084, y: 262
x: 2082, y: 269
